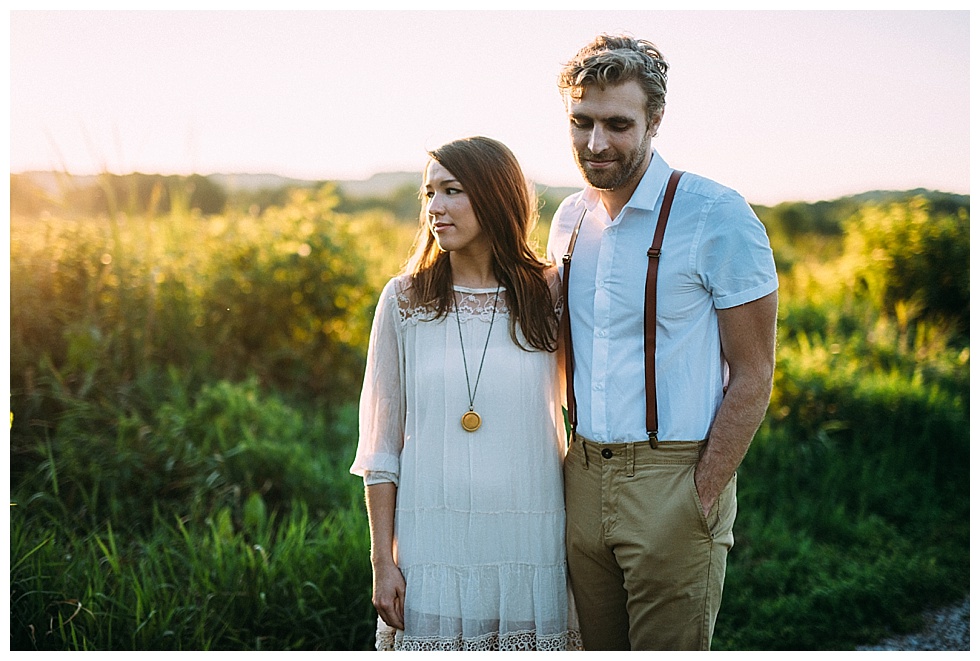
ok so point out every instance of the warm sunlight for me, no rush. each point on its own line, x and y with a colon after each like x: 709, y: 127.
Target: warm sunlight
x: 792, y: 105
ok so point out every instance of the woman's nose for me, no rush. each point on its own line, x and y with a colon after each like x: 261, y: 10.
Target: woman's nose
x: 435, y: 206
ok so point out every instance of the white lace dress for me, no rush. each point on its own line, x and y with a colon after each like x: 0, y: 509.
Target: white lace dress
x: 479, y: 520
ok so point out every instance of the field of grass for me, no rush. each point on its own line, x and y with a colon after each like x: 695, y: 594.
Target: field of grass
x: 183, y: 417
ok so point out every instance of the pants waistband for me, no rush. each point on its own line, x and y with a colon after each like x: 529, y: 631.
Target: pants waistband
x: 626, y: 453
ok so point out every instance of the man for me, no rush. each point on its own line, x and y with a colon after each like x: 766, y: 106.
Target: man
x: 650, y: 511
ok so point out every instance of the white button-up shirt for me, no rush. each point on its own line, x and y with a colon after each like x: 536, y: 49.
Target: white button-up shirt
x: 715, y: 255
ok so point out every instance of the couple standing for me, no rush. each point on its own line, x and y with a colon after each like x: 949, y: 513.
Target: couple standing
x: 473, y: 496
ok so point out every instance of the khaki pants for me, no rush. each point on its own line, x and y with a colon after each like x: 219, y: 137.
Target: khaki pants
x: 647, y: 567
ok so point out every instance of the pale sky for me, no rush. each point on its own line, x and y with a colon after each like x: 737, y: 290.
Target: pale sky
x: 791, y: 105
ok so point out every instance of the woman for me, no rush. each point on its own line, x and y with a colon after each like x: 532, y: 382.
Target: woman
x: 461, y: 432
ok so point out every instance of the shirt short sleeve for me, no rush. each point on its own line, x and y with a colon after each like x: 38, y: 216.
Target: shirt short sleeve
x: 735, y: 259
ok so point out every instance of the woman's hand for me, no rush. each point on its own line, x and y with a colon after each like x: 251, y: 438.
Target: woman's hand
x: 389, y: 594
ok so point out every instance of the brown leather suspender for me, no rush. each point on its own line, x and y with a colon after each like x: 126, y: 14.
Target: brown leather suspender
x: 650, y: 310
x: 566, y: 326
x: 649, y: 316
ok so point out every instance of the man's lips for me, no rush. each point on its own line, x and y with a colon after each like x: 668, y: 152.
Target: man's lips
x: 598, y: 161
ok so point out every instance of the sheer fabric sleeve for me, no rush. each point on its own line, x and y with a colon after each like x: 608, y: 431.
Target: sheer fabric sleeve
x: 558, y: 302
x: 553, y: 279
x: 381, y: 417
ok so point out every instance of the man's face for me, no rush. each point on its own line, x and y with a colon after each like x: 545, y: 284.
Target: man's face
x: 610, y: 134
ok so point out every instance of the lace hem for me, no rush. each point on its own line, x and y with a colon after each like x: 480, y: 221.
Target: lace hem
x: 389, y: 639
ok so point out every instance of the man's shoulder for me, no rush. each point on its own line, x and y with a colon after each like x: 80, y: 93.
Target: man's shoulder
x: 569, y: 210
x: 705, y: 188
x: 711, y: 199
x: 571, y: 202
x: 563, y: 220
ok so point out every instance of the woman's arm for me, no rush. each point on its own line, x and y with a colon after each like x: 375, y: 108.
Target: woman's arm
x: 389, y: 584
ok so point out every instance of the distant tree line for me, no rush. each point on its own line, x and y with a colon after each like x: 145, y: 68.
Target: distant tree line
x: 134, y: 193
x: 160, y: 194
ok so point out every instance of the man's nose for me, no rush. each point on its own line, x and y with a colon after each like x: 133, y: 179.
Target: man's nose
x: 598, y: 140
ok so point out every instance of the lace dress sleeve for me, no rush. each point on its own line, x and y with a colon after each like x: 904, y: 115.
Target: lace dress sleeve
x: 555, y: 287
x: 381, y: 418
x: 558, y: 303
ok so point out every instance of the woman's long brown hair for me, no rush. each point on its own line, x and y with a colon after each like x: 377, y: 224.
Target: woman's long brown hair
x: 505, y: 209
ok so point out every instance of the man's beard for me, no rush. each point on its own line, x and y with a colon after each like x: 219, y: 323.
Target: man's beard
x: 613, y: 178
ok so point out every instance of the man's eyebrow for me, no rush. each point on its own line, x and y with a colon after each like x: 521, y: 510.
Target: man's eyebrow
x: 616, y: 119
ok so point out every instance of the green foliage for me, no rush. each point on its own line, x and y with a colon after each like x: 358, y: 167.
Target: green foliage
x: 913, y: 257
x: 851, y: 497
x: 287, y: 296
x: 289, y: 299
x: 403, y: 203
x: 188, y: 453
x: 108, y: 194
x: 289, y: 584
x: 184, y: 388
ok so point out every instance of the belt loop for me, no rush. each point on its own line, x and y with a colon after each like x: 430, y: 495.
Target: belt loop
x: 630, y: 459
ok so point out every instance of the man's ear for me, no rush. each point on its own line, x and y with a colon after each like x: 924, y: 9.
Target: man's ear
x: 654, y: 124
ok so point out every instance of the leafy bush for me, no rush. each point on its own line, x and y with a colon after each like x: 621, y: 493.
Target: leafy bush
x: 287, y: 296
x: 195, y: 453
x: 913, y: 255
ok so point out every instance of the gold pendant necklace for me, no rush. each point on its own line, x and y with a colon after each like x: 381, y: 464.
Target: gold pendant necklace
x: 471, y: 420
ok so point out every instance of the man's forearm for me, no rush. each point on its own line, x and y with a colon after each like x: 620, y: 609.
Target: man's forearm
x: 748, y: 340
x: 735, y: 425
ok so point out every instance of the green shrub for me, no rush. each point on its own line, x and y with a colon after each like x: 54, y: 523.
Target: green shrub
x: 195, y: 453
x: 913, y: 254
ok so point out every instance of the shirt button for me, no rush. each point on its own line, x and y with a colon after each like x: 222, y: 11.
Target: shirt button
x: 607, y: 453
x: 601, y: 333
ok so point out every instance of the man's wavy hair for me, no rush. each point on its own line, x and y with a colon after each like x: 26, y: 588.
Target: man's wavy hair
x: 615, y: 59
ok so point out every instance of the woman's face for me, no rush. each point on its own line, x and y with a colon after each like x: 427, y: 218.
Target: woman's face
x: 450, y: 214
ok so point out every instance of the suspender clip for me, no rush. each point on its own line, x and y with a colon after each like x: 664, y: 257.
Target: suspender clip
x: 654, y: 253
x: 654, y: 442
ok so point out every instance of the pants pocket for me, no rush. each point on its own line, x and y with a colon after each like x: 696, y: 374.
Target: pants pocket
x: 721, y: 516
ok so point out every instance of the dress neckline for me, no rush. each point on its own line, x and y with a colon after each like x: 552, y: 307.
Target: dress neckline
x: 477, y: 290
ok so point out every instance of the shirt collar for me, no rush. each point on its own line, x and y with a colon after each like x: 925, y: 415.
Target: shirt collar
x: 647, y: 192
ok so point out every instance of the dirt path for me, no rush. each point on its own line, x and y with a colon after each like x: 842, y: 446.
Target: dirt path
x: 945, y: 629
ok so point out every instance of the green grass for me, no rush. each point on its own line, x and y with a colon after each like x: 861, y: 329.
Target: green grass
x: 272, y: 585
x: 184, y: 389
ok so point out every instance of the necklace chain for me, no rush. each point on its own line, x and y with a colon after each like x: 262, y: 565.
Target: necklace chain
x: 471, y: 393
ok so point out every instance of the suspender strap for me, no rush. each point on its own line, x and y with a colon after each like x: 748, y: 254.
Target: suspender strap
x: 566, y: 326
x: 649, y: 315
x: 650, y: 310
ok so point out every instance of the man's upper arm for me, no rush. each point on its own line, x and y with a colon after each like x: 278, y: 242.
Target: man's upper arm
x: 748, y: 336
